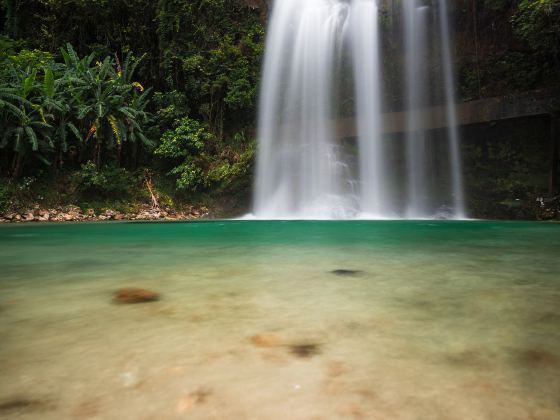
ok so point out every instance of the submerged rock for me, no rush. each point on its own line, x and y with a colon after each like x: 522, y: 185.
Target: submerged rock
x: 305, y: 350
x: 346, y: 273
x: 135, y: 295
x: 21, y: 404
x: 189, y: 401
x: 534, y: 358
x: 266, y: 340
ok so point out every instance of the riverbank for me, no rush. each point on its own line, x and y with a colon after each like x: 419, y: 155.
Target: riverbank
x: 76, y: 214
x: 546, y: 210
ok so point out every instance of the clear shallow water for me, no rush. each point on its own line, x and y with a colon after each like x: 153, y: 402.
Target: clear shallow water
x: 444, y: 320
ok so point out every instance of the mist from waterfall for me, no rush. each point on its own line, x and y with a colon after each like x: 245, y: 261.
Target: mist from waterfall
x: 304, y: 170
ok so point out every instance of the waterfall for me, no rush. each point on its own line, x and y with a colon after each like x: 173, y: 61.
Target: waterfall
x: 298, y: 170
x: 422, y: 198
x: 364, y: 38
x: 417, y: 82
x: 304, y: 171
x: 453, y: 130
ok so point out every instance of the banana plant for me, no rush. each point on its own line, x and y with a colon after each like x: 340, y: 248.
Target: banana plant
x: 10, y: 103
x: 113, y: 108
x: 26, y: 127
x: 58, y: 107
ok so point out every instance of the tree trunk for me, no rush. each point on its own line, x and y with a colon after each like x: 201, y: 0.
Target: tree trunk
x: 12, y: 18
x: 120, y: 154
x: 97, y: 153
x: 17, y: 166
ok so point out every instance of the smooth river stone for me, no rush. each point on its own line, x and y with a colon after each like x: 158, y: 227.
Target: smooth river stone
x: 135, y: 295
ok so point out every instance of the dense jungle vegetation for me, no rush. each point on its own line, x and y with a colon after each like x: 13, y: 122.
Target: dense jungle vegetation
x: 98, y: 96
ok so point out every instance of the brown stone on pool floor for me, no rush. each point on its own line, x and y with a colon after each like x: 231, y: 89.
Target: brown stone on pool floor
x: 538, y: 358
x: 346, y: 273
x: 135, y: 295
x: 266, y: 340
x: 189, y: 401
x: 305, y: 350
x: 21, y: 404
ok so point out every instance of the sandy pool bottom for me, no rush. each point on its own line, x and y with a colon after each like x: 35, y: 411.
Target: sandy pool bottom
x: 299, y: 320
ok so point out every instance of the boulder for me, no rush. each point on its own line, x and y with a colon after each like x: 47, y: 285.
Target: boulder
x: 143, y: 215
x: 44, y: 217
x: 305, y: 350
x: 135, y: 295
x: 110, y: 214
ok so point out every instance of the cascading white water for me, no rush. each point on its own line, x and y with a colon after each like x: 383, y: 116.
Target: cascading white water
x: 301, y: 173
x: 364, y: 38
x: 415, y: 40
x: 422, y: 198
x: 452, y: 130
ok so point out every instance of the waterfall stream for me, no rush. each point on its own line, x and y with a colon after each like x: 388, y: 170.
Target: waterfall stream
x: 304, y: 170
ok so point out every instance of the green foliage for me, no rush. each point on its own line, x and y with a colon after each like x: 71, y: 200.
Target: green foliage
x: 189, y: 176
x: 171, y: 106
x: 25, y: 123
x: 107, y: 182
x: 508, y: 71
x: 538, y: 22
x: 185, y: 143
x: 202, y: 162
x: 13, y: 193
x: 8, y: 46
x: 505, y: 171
x: 217, y: 61
x: 228, y: 175
x: 507, y: 46
x: 60, y: 107
x: 51, y: 110
x: 5, y: 197
x: 187, y: 139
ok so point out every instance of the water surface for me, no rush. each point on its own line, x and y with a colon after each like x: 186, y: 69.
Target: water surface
x: 278, y: 320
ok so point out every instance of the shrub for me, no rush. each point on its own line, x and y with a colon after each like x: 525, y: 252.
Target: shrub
x: 107, y: 182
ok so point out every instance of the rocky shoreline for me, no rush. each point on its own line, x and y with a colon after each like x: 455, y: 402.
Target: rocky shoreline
x: 76, y: 214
